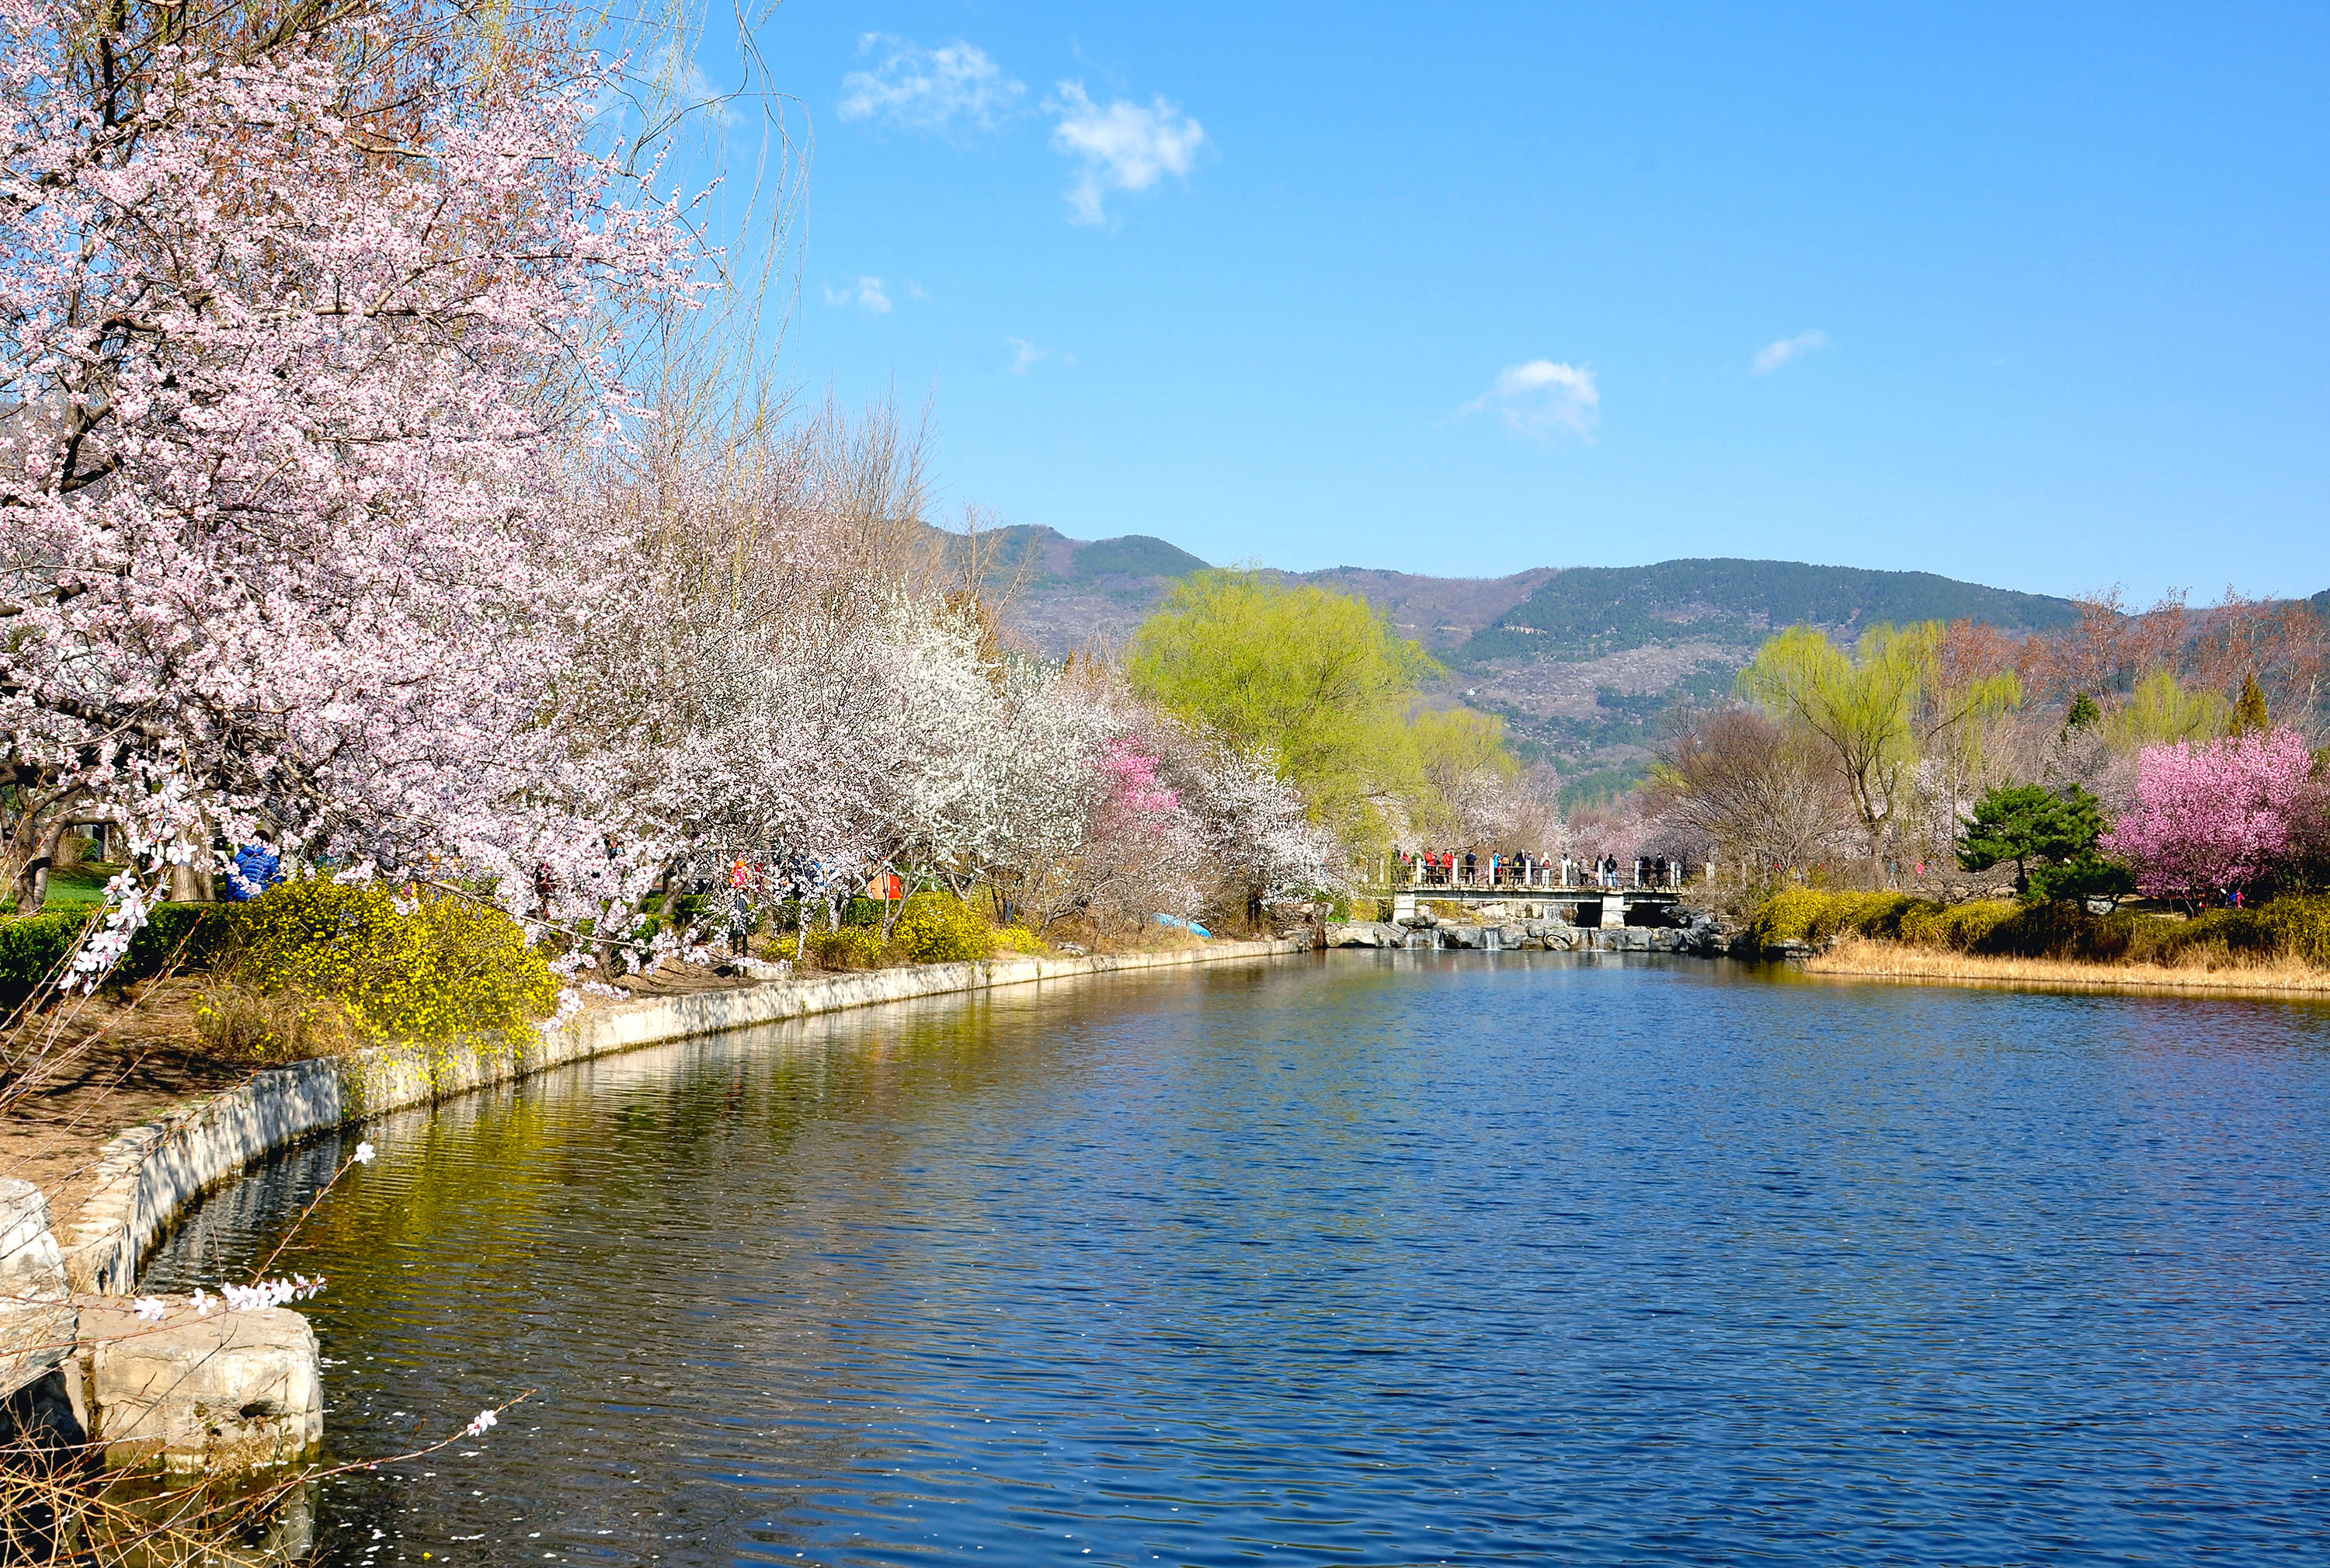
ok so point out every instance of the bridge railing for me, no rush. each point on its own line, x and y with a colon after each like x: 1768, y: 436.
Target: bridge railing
x: 1571, y: 877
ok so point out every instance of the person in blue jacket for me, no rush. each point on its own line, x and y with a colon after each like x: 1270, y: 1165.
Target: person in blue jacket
x: 256, y: 868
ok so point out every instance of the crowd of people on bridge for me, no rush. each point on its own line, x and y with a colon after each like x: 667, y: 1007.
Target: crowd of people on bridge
x: 1475, y: 868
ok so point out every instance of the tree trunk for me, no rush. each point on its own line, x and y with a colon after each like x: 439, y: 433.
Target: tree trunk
x: 35, y: 841
x: 30, y: 889
x: 191, y: 884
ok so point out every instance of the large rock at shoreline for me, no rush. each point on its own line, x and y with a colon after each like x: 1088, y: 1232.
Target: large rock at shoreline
x: 211, y: 1393
x: 37, y: 1316
x: 1703, y: 931
x: 1366, y: 934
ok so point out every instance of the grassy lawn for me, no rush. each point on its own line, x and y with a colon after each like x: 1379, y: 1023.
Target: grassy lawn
x: 79, y: 887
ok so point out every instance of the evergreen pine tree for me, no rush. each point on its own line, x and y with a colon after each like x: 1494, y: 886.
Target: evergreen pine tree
x: 2249, y: 716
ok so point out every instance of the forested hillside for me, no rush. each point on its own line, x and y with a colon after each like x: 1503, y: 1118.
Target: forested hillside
x: 1585, y: 669
x: 1589, y: 610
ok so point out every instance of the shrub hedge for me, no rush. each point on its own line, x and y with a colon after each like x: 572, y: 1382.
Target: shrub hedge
x: 2294, y: 925
x: 679, y: 912
x: 2302, y: 923
x: 176, y: 936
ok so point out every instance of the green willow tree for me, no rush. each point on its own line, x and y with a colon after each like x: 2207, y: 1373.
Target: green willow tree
x: 1874, y: 709
x: 2159, y: 711
x: 1318, y: 678
x: 1466, y: 767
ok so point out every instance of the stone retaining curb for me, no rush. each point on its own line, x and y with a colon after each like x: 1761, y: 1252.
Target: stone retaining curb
x: 149, y: 1175
x: 36, y: 1311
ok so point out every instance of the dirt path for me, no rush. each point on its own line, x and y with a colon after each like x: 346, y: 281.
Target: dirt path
x: 115, y: 1066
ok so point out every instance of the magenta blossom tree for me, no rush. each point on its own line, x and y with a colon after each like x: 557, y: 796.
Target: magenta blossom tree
x: 2212, y: 817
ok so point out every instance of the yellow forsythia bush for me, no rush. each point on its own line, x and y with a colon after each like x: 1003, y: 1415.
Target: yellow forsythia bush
x: 451, y: 966
x: 850, y: 948
x: 1805, y: 914
x: 938, y: 928
x: 1960, y: 927
x: 1018, y: 939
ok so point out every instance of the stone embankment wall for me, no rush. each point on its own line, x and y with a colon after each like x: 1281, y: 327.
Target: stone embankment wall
x: 36, y: 1309
x: 148, y: 1176
x: 190, y: 1389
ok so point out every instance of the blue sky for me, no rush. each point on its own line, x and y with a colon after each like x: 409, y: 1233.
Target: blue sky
x: 2033, y: 299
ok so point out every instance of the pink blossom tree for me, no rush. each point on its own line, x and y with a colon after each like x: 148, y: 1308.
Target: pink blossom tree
x: 2212, y: 817
x: 1134, y: 793
x: 1139, y: 854
x: 307, y: 316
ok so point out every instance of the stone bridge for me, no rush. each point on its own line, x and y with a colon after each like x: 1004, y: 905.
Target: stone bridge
x: 1590, y: 908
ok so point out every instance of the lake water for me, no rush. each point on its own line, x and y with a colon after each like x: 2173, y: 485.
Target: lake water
x: 1370, y: 1259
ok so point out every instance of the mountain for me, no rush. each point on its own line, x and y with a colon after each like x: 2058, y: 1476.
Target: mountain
x: 1072, y: 595
x: 1443, y: 613
x: 1593, y: 609
x: 1065, y: 595
x: 1581, y: 663
x: 1583, y: 668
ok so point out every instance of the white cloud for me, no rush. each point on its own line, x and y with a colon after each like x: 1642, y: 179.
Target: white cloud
x: 870, y: 293
x: 1025, y: 355
x: 1122, y: 148
x: 1773, y: 355
x: 932, y: 90
x: 1541, y: 397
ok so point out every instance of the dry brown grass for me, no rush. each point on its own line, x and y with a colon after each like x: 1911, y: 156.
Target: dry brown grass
x: 2216, y: 972
x: 1145, y: 940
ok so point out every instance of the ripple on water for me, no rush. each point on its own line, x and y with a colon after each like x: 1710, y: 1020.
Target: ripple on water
x: 1388, y: 1259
